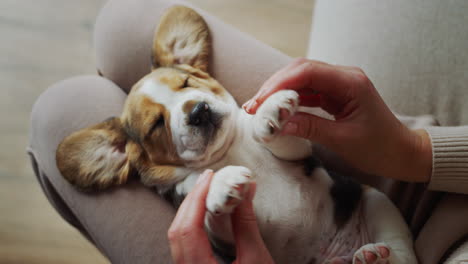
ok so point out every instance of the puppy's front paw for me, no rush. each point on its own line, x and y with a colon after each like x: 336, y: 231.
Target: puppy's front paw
x: 228, y: 187
x: 378, y: 253
x: 274, y: 113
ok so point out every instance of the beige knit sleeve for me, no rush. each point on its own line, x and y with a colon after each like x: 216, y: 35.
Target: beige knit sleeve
x: 450, y: 159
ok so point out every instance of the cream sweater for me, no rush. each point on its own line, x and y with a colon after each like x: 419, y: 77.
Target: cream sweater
x: 450, y: 159
x: 415, y: 54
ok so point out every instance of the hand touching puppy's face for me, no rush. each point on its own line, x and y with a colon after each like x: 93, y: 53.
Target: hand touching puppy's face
x: 175, y: 117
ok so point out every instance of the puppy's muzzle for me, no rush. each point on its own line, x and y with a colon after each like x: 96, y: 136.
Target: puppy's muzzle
x: 200, y: 115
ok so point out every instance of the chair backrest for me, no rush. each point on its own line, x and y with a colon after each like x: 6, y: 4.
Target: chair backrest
x: 415, y: 52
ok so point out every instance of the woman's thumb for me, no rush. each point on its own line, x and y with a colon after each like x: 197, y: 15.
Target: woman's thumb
x: 244, y: 222
x: 250, y: 247
x: 310, y: 127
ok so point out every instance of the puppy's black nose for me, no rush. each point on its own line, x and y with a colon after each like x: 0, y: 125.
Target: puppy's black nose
x: 200, y: 114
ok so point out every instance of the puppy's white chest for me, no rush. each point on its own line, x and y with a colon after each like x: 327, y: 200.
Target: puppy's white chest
x: 293, y: 209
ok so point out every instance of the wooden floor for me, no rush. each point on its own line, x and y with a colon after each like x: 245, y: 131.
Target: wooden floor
x: 36, y: 37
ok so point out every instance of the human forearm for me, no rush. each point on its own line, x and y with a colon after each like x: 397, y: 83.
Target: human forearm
x: 415, y: 158
x: 403, y: 155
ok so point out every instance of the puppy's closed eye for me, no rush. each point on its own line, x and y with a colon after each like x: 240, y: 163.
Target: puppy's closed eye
x: 160, y: 122
x: 185, y: 85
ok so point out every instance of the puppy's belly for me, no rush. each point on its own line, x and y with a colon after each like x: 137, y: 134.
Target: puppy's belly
x: 316, y: 243
x: 294, y: 213
x: 347, y: 240
x: 297, y: 217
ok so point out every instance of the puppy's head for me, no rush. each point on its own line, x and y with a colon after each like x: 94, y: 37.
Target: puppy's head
x: 175, y: 117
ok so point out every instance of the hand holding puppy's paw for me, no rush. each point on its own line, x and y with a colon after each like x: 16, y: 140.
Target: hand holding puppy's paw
x: 274, y: 113
x: 229, y: 186
x: 378, y: 253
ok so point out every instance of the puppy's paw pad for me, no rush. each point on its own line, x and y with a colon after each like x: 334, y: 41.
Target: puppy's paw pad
x: 228, y: 188
x: 378, y: 253
x: 274, y: 113
x: 384, y: 251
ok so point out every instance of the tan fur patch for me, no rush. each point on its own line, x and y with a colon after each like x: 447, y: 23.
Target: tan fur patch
x: 174, y: 79
x: 158, y: 174
x: 181, y: 77
x: 140, y: 117
x: 200, y: 79
x: 182, y: 37
x: 151, y: 174
x: 92, y: 159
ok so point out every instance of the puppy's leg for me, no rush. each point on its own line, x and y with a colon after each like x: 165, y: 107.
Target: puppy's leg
x: 392, y: 239
x: 269, y: 121
x: 228, y: 187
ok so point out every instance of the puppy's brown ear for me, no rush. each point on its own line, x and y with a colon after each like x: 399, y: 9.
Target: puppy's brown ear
x: 182, y: 37
x: 95, y: 157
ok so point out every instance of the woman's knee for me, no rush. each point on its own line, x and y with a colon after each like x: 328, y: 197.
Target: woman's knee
x: 460, y: 253
x: 124, y: 34
x: 68, y: 106
x: 123, y: 37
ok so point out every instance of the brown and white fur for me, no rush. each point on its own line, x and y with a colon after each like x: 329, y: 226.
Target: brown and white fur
x: 178, y: 121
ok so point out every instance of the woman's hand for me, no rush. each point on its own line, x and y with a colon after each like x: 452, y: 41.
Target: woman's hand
x: 189, y: 242
x: 365, y: 132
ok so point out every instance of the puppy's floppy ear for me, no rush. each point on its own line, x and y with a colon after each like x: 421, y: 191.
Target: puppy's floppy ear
x: 95, y: 157
x: 182, y: 37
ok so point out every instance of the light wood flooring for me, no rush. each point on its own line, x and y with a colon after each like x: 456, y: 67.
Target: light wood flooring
x: 36, y: 36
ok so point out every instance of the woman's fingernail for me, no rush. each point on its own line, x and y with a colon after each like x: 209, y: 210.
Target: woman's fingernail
x: 252, y: 104
x: 290, y: 128
x: 204, y: 176
x: 246, y: 104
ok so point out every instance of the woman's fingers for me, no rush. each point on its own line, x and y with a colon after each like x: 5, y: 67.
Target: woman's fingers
x: 311, y: 127
x: 317, y: 77
x: 188, y: 240
x: 274, y: 78
x: 192, y: 209
x: 309, y: 98
x: 265, y: 91
x: 245, y: 222
x: 189, y: 243
x: 250, y: 247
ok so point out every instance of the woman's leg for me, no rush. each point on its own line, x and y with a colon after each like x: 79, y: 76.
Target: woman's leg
x: 129, y: 224
x: 460, y: 255
x: 124, y: 33
x: 447, y: 226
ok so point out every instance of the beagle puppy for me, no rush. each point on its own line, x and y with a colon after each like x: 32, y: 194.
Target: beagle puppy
x: 178, y: 121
